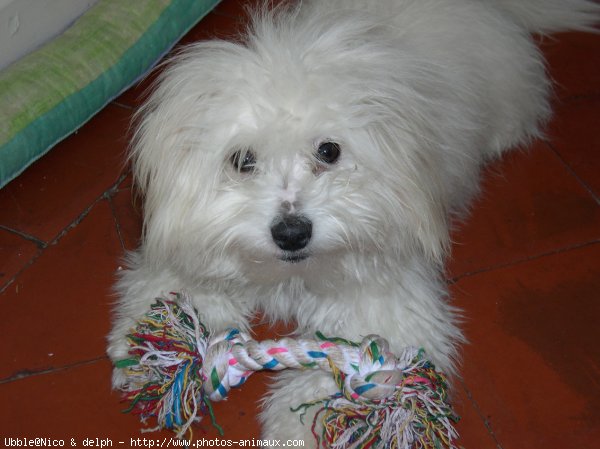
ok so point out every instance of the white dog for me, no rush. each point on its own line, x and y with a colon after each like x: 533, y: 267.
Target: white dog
x: 310, y: 171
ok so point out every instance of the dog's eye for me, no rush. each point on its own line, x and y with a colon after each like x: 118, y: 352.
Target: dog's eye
x: 243, y: 161
x: 328, y: 152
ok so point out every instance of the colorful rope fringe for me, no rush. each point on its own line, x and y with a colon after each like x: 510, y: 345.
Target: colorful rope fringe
x: 176, y: 368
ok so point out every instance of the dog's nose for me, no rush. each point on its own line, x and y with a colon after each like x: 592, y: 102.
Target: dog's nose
x: 292, y: 232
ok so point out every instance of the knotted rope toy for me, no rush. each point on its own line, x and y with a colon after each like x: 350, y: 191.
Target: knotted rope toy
x: 176, y: 369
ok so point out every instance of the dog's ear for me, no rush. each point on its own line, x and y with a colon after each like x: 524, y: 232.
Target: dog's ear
x: 174, y: 118
x: 431, y: 231
x: 174, y: 153
x: 417, y: 195
x: 424, y: 221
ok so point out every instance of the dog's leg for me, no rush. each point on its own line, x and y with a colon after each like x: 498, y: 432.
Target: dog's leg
x: 292, y: 389
x: 139, y: 287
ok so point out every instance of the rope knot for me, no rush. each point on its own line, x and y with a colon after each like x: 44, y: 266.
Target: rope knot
x: 376, y: 377
x: 221, y: 371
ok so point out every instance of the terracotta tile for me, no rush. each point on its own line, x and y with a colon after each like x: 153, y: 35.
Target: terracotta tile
x: 126, y: 208
x: 52, y: 193
x: 533, y: 358
x: 471, y: 428
x: 15, y: 253
x: 574, y: 136
x: 214, y: 26
x: 76, y: 402
x: 71, y: 403
x: 530, y: 205
x: 573, y: 61
x: 237, y: 8
x: 59, y: 307
x: 234, y: 8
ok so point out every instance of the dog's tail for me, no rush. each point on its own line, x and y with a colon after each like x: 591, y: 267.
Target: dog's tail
x: 551, y: 16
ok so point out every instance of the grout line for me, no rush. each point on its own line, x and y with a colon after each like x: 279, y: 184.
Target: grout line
x: 108, y: 192
x: 574, y: 173
x: 582, y: 96
x: 565, y: 249
x: 486, y: 422
x: 105, y: 195
x: 29, y: 263
x: 77, y: 221
x: 122, y: 105
x: 24, y: 374
x: 38, y: 242
x: 113, y: 211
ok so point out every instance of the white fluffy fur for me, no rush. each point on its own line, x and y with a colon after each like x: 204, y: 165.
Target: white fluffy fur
x: 418, y: 93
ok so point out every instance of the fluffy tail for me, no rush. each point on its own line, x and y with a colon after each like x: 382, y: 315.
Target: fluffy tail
x: 551, y: 16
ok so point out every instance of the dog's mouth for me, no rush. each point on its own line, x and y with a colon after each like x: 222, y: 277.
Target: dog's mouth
x: 294, y: 257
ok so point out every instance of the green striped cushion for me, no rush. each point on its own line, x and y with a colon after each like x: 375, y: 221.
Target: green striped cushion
x: 50, y: 93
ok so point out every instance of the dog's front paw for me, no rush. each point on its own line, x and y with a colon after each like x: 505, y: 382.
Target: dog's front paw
x: 282, y: 419
x: 118, y: 349
x: 119, y: 378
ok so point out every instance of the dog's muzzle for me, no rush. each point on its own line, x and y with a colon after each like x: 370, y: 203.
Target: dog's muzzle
x: 292, y: 233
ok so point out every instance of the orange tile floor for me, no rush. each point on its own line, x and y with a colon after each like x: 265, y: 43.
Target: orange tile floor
x: 525, y: 268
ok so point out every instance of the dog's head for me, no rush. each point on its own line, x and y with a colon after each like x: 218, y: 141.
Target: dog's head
x: 292, y: 149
